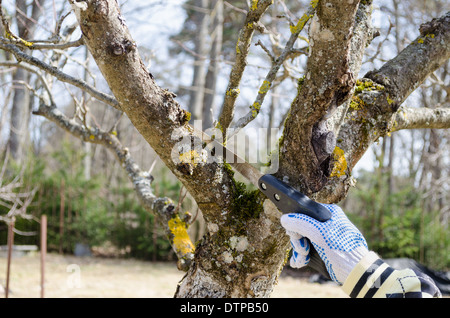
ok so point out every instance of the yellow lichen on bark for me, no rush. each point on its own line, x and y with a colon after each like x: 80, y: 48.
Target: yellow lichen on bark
x: 264, y: 87
x: 254, y: 5
x: 300, y: 24
x: 181, y: 240
x: 191, y: 157
x: 340, y: 164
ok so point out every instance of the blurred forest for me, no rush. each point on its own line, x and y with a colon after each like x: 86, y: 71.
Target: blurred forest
x: 401, y: 201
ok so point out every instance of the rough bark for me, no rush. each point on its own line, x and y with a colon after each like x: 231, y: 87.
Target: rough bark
x: 419, y: 118
x: 307, y: 144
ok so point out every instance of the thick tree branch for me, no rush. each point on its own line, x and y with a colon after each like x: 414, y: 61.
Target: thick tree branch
x: 373, y: 109
x: 404, y: 73
x: 307, y: 145
x: 381, y: 94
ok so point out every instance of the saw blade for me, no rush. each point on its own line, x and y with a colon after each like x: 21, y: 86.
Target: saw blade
x: 247, y: 170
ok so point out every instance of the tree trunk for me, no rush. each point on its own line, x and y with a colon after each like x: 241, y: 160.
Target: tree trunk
x: 201, y: 43
x: 245, y: 247
x: 238, y: 256
x: 21, y: 109
x: 239, y: 260
x: 20, y: 115
x: 208, y: 106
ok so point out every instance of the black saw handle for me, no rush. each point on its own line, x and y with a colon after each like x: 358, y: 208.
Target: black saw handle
x: 289, y: 200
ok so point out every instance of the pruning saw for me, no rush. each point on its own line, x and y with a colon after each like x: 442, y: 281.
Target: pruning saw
x: 284, y: 197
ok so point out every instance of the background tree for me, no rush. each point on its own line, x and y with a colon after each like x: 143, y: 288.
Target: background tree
x: 26, y: 17
x: 333, y: 117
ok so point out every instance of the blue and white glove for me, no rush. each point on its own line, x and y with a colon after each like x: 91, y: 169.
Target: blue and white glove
x: 339, y: 243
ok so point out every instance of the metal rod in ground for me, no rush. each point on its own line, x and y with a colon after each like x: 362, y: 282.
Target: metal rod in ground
x: 43, y: 251
x: 61, y: 216
x: 10, y: 247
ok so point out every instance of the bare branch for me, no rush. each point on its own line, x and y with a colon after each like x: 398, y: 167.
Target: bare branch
x: 152, y: 110
x: 52, y: 46
x: 31, y: 70
x: 381, y: 95
x: 257, y: 9
x: 276, y: 64
x: 265, y: 49
x: 404, y: 73
x: 161, y: 206
x: 417, y: 118
x: 140, y: 179
x: 164, y: 124
x: 53, y: 43
x: 23, y: 57
x: 13, y: 196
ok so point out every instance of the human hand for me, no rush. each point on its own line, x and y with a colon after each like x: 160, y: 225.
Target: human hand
x: 339, y: 243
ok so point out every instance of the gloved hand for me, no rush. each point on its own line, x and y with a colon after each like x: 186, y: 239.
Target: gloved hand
x: 339, y: 243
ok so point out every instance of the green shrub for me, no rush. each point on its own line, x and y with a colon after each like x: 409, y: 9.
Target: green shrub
x: 93, y: 213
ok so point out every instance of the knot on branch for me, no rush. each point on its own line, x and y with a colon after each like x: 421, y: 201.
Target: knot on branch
x: 122, y: 48
x: 435, y: 26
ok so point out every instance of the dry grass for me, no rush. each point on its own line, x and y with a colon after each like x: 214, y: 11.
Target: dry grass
x: 89, y: 277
